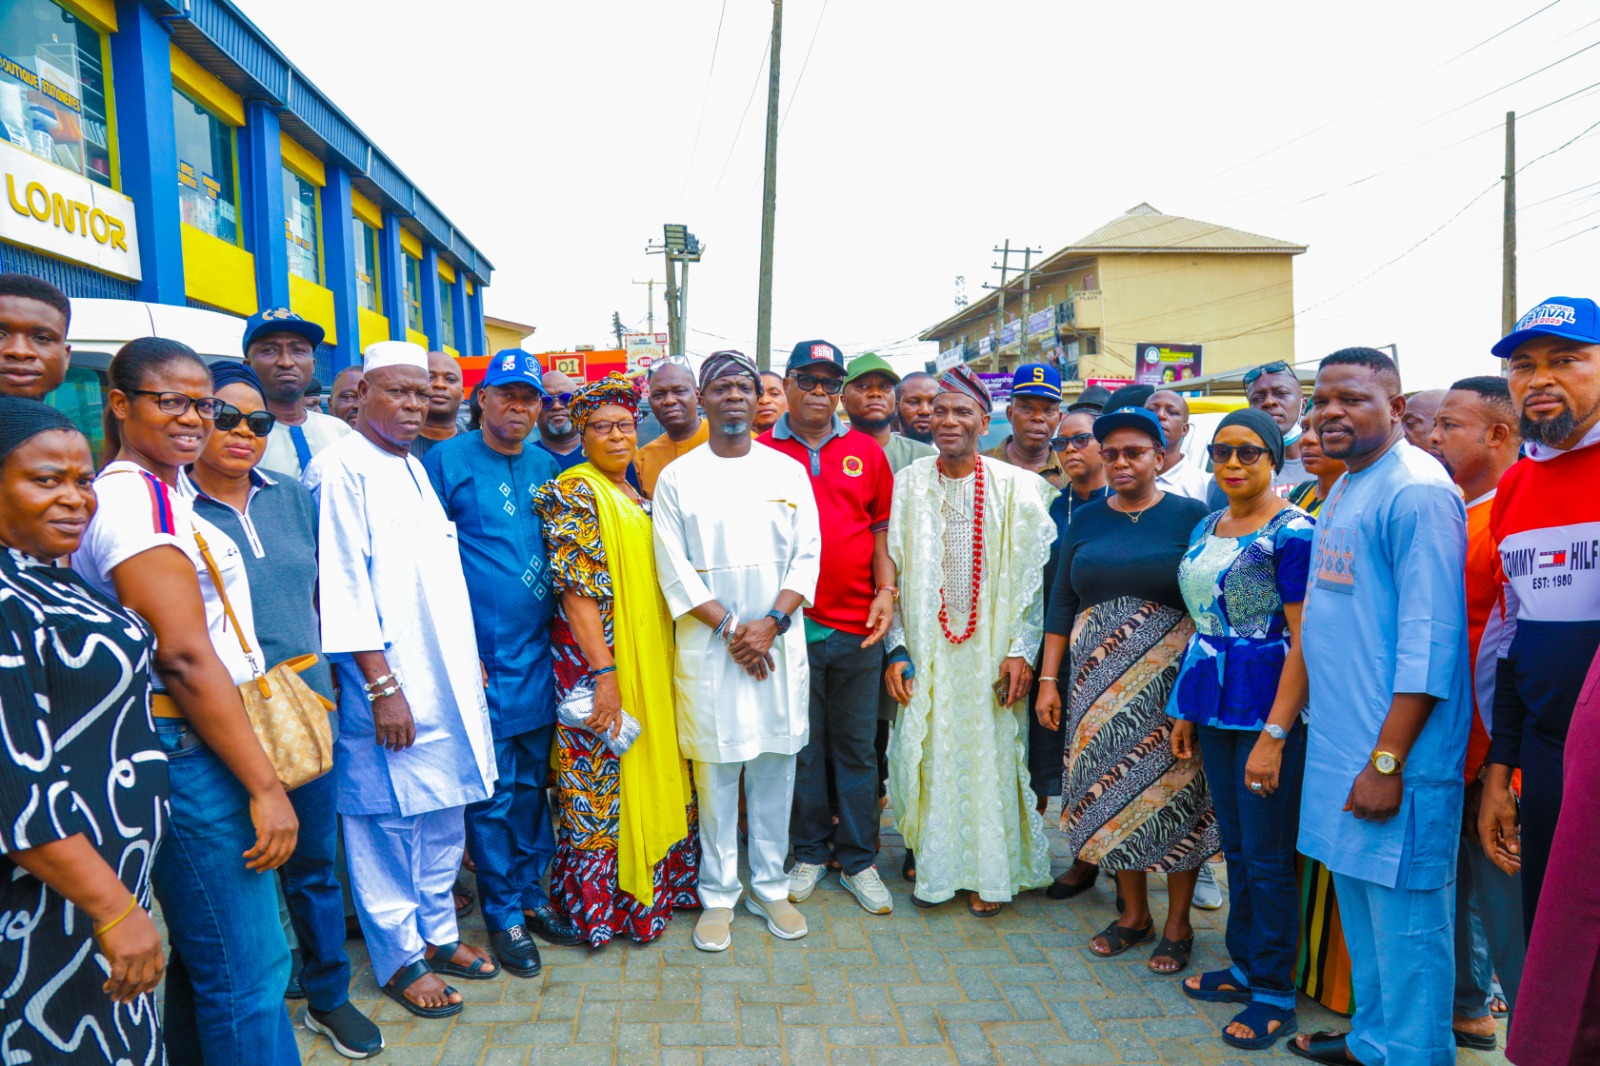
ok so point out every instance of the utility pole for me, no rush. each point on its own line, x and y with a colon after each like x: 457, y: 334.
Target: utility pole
x: 1508, y: 239
x: 678, y: 245
x: 1027, y: 300
x: 616, y: 326
x: 1000, y: 305
x: 674, y: 342
x: 650, y: 303
x: 769, y: 198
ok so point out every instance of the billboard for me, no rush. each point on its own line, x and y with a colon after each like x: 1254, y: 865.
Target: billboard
x: 999, y: 386
x: 1166, y: 364
x: 644, y: 349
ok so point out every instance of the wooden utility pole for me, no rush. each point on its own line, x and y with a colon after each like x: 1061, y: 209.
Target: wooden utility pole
x: 1000, y: 304
x: 769, y: 198
x: 674, y: 339
x: 650, y: 303
x: 1027, y: 304
x: 1508, y: 239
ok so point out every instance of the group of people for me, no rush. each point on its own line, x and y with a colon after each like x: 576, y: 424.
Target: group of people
x: 587, y: 670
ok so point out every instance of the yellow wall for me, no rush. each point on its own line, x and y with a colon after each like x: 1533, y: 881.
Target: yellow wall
x: 374, y: 327
x: 312, y: 301
x: 218, y: 273
x: 501, y: 338
x: 416, y: 338
x: 204, y: 88
x: 302, y: 162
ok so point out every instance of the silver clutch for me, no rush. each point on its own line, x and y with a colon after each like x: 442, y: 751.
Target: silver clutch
x: 575, y: 710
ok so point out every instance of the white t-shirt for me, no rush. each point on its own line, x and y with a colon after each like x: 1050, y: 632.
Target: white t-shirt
x: 320, y: 431
x: 137, y: 512
x: 1187, y: 479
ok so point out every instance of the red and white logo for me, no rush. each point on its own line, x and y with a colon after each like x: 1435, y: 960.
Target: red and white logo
x: 1549, y: 559
x: 822, y: 351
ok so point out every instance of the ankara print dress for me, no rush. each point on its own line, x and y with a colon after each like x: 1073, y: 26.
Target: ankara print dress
x: 80, y: 757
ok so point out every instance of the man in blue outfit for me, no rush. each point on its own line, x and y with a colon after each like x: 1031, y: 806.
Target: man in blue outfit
x: 486, y: 479
x: 1386, y: 652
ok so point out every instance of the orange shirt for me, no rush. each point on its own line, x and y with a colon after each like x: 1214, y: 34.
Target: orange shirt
x: 654, y: 457
x: 1486, y: 612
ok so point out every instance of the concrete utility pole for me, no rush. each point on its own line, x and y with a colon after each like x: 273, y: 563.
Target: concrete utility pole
x: 678, y: 245
x: 674, y: 336
x: 650, y: 304
x: 769, y: 198
x: 1508, y: 238
x: 616, y: 326
x: 1027, y: 301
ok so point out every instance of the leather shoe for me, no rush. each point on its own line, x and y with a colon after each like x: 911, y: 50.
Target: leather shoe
x: 554, y: 927
x: 516, y: 951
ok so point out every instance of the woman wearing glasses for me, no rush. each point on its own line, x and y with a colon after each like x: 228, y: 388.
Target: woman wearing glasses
x: 627, y: 853
x: 231, y: 821
x: 1240, y: 692
x: 1128, y: 804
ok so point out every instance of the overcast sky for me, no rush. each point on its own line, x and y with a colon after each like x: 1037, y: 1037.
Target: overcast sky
x: 921, y: 133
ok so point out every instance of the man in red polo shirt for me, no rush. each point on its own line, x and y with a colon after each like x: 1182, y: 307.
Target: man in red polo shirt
x: 853, y: 485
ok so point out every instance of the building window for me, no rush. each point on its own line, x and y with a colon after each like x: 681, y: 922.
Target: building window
x: 366, y: 241
x: 53, y: 87
x: 447, y: 312
x: 413, y: 291
x: 207, y: 192
x: 300, y: 229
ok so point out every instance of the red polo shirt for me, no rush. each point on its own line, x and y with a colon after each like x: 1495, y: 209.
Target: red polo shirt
x: 851, y: 480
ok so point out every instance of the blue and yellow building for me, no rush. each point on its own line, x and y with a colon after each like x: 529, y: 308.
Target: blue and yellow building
x: 165, y: 151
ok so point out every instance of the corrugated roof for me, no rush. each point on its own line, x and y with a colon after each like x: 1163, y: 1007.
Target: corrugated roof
x: 1144, y: 229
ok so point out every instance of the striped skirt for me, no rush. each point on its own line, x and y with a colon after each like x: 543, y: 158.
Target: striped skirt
x: 1323, y: 969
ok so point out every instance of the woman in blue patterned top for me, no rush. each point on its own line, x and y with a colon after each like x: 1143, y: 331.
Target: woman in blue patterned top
x: 1241, y: 688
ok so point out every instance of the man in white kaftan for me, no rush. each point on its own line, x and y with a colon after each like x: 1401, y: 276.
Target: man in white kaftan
x: 414, y: 741
x: 737, y: 550
x: 958, y: 772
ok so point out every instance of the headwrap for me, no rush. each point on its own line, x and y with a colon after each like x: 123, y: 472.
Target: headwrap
x: 728, y: 363
x: 960, y: 379
x: 228, y: 372
x: 613, y: 388
x: 22, y: 419
x: 1262, y: 425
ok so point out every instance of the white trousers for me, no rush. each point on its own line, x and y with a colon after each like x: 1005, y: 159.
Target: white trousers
x: 402, y: 871
x: 768, y: 793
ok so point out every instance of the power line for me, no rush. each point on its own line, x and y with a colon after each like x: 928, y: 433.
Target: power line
x: 795, y: 91
x: 704, y: 99
x: 740, y: 128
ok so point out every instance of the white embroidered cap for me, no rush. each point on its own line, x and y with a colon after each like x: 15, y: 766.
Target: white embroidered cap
x: 394, y: 353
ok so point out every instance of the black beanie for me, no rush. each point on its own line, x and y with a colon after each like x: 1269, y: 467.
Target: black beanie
x: 22, y: 419
x: 1262, y: 425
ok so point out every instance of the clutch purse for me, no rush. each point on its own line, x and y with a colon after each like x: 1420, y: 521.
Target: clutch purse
x: 574, y: 711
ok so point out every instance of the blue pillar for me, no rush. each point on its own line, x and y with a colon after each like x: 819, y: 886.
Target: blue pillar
x: 339, y: 265
x: 392, y: 277
x: 430, y: 297
x: 261, y: 167
x: 141, y: 69
x: 478, y: 337
x: 461, y: 342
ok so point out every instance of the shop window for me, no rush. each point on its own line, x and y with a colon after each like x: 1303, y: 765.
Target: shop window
x: 413, y: 291
x: 366, y: 242
x: 207, y: 191
x: 300, y: 230
x: 53, y: 87
x: 447, y: 312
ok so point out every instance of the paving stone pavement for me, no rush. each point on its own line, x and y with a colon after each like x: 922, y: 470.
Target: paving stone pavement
x: 915, y: 987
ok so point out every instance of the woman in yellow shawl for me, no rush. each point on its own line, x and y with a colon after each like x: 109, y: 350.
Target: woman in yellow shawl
x: 628, y: 852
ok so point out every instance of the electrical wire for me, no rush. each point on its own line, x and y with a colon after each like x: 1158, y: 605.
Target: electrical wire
x: 705, y: 97
x: 742, y: 115
x: 794, y: 91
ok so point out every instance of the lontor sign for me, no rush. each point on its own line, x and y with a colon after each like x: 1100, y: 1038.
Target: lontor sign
x: 54, y: 210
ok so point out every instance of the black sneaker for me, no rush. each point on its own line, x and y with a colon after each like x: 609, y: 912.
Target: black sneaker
x: 517, y: 952
x: 353, y: 1034
x: 554, y: 927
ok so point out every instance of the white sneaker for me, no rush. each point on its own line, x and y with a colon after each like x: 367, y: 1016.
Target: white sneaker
x: 803, y: 881
x: 1207, y: 893
x: 783, y: 920
x: 713, y: 931
x: 869, y: 890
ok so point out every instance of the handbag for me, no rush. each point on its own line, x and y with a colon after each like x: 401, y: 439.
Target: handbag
x: 289, y: 718
x: 575, y: 708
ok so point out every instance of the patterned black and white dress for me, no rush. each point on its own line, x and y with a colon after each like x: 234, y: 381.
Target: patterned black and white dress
x: 80, y: 757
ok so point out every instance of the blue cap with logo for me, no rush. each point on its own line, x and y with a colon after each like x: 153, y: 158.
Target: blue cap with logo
x: 808, y: 354
x: 1129, y: 418
x: 1036, y: 379
x: 279, y: 320
x: 1571, y: 318
x: 512, y: 366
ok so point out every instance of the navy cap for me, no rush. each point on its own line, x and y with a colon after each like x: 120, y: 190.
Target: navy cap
x: 512, y: 366
x: 1092, y: 398
x: 807, y: 354
x: 1128, y: 396
x: 1571, y: 318
x: 1129, y: 418
x: 280, y: 320
x: 1036, y: 379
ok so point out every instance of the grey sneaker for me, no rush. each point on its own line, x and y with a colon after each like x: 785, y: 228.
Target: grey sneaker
x: 1207, y: 893
x: 869, y: 890
x: 803, y: 880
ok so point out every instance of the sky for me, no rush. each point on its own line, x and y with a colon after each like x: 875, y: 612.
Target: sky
x: 919, y: 134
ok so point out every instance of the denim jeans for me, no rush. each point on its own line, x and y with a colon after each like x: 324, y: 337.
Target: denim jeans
x: 509, y: 835
x: 229, y: 962
x: 844, y: 727
x: 1489, y: 940
x: 1258, y: 839
x: 316, y: 902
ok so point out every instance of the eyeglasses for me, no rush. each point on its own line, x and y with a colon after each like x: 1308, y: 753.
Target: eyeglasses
x: 176, y: 403
x: 259, y: 423
x: 1249, y: 454
x: 1133, y: 453
x: 1078, y: 441
x: 1275, y: 367
x: 560, y: 399
x: 607, y: 427
x: 808, y: 382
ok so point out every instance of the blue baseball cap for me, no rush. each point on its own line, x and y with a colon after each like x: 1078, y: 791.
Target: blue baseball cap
x: 808, y: 354
x: 1571, y: 318
x: 1129, y: 418
x: 280, y: 320
x: 511, y: 366
x: 1036, y: 379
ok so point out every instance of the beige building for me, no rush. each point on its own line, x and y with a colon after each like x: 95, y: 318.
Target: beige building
x: 1142, y: 281
x: 504, y: 333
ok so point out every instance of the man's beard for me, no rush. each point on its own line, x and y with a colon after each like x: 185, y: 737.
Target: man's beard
x: 907, y: 431
x: 1553, y: 431
x: 735, y: 429
x: 871, y: 425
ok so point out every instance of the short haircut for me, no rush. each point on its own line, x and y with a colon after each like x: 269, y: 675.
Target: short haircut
x: 1380, y: 364
x: 1495, y: 392
x: 31, y: 288
x: 772, y: 374
x: 913, y: 376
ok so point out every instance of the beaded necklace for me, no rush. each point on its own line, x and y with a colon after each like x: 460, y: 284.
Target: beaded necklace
x: 977, y: 560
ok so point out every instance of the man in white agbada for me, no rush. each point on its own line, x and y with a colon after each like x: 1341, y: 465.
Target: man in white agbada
x: 414, y: 739
x: 970, y: 539
x: 737, y: 549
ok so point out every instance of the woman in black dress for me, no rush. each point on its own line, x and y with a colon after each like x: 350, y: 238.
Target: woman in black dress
x: 83, y: 783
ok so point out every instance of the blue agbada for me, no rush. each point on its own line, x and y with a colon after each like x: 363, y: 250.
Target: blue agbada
x: 490, y: 498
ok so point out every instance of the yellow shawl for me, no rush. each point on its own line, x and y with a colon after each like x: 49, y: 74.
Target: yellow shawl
x: 655, y: 780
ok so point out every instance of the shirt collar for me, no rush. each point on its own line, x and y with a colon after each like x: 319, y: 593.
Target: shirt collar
x: 1543, y: 453
x: 259, y: 479
x: 781, y: 431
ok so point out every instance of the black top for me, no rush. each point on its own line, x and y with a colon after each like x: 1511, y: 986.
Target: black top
x: 1107, y: 555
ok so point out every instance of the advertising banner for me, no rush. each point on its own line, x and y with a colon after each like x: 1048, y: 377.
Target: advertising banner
x: 948, y: 358
x: 1010, y: 332
x: 644, y: 349
x: 65, y: 214
x: 1166, y: 364
x: 1108, y: 383
x: 1043, y: 324
x: 999, y: 386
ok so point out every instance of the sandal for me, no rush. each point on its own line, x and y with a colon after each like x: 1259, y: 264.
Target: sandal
x: 1473, y: 1041
x: 396, y: 990
x: 908, y: 869
x: 1120, y: 938
x: 1211, y: 990
x: 463, y: 902
x: 1259, y: 1016
x: 1061, y: 888
x: 1332, y: 1049
x: 1177, y: 950
x: 972, y: 907
x: 441, y: 962
x: 920, y: 902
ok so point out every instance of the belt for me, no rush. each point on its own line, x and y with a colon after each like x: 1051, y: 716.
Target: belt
x: 164, y: 706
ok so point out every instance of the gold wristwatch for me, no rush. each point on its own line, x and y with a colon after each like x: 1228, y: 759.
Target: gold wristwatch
x: 1387, y: 763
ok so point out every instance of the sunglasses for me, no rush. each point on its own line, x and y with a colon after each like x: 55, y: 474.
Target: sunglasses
x: 560, y: 399
x: 1133, y: 453
x: 1275, y: 367
x: 176, y: 403
x: 259, y: 423
x: 808, y: 382
x: 1078, y: 441
x: 1249, y: 454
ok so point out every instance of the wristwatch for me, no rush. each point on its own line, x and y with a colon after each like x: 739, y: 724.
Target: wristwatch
x: 783, y: 620
x: 1276, y: 732
x: 1387, y: 763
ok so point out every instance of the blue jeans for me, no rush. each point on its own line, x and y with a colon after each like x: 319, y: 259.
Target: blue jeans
x: 316, y: 902
x: 1258, y: 838
x: 509, y: 835
x: 229, y: 962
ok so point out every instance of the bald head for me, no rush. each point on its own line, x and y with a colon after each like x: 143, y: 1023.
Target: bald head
x: 1421, y: 407
x: 555, y: 417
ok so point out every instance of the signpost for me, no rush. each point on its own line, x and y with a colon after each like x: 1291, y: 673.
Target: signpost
x: 1166, y: 364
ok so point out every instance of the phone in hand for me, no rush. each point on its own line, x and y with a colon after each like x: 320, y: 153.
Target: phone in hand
x: 1001, y: 685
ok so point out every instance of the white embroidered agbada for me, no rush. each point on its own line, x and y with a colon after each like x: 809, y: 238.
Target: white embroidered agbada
x: 958, y: 768
x: 738, y: 531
